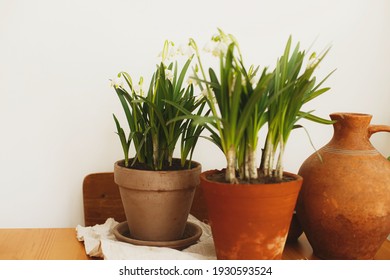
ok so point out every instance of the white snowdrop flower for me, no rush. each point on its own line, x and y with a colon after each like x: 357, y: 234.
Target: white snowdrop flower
x: 180, y: 50
x: 138, y: 89
x: 254, y: 81
x: 222, y: 38
x: 205, y: 93
x: 209, y: 94
x: 219, y: 49
x: 171, y: 53
x: 208, y: 47
x: 169, y: 74
x: 185, y: 50
x: 168, y: 52
x: 116, y: 82
x: 191, y: 81
x: 227, y: 40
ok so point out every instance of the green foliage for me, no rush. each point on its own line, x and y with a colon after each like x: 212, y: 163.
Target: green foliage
x: 155, y: 121
x: 291, y: 87
x: 236, y: 102
x: 240, y: 111
x: 239, y: 108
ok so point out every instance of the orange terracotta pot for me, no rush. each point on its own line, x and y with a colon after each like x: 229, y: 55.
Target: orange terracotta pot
x: 344, y: 204
x: 250, y: 221
x: 156, y: 203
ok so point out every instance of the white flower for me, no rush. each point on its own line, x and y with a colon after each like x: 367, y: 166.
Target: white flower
x: 191, y: 81
x: 208, y: 47
x: 205, y: 93
x: 216, y: 48
x: 209, y: 94
x: 254, y: 81
x: 171, y: 53
x: 219, y: 44
x: 169, y: 74
x: 116, y: 82
x: 185, y: 50
x: 168, y: 52
x: 138, y: 87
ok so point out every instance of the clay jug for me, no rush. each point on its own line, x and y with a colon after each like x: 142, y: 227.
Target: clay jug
x: 344, y: 203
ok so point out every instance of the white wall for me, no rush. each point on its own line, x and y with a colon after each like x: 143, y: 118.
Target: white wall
x: 56, y: 59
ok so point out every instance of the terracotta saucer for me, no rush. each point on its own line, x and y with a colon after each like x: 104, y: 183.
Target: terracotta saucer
x: 192, y: 233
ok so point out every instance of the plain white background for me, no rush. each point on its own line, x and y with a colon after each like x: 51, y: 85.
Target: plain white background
x: 56, y: 104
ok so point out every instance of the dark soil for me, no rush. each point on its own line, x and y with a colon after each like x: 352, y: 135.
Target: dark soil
x: 220, y: 177
x: 176, y: 165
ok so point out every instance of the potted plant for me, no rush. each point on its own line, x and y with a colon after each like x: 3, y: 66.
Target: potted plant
x: 250, y: 207
x: 156, y: 188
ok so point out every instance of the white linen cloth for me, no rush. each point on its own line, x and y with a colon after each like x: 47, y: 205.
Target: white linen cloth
x: 99, y: 241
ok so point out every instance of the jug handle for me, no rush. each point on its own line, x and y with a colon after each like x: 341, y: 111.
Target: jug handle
x: 377, y: 128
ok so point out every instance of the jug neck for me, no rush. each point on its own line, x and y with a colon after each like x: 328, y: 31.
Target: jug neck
x: 351, y: 131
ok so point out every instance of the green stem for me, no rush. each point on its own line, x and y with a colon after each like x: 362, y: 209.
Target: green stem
x: 252, y: 169
x: 267, y: 163
x: 231, y: 166
x: 210, y: 97
x: 279, y: 166
x: 155, y: 151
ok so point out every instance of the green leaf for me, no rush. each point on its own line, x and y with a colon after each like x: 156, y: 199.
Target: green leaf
x: 314, y: 118
x: 125, y: 143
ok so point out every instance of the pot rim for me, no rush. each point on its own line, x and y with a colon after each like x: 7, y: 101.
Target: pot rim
x: 203, y: 176
x: 181, y: 171
x: 350, y: 114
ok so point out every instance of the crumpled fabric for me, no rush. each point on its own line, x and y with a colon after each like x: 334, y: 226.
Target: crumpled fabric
x: 100, y: 242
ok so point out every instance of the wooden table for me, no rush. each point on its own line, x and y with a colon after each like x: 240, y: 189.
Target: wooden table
x: 41, y: 244
x: 62, y: 244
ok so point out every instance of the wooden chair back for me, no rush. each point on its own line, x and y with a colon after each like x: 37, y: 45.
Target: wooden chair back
x: 102, y: 200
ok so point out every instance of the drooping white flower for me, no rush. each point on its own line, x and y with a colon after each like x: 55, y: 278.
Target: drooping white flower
x: 209, y: 94
x: 168, y: 52
x: 208, y: 47
x: 185, y: 50
x: 169, y: 74
x: 219, y: 44
x: 138, y: 87
x: 171, y: 52
x: 216, y: 48
x: 191, y: 81
x: 205, y: 93
x: 254, y: 81
x: 222, y: 47
x: 116, y: 82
